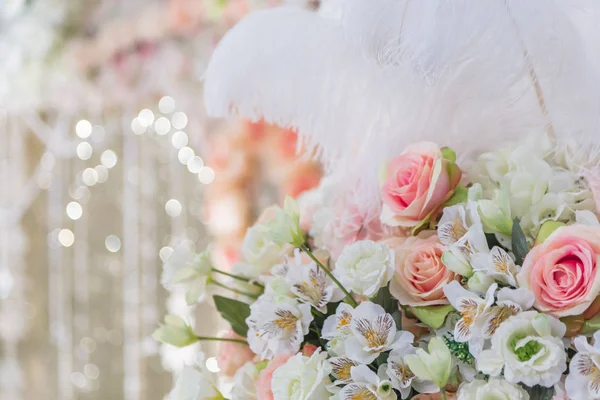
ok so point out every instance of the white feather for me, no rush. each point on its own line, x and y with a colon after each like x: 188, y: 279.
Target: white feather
x: 391, y: 72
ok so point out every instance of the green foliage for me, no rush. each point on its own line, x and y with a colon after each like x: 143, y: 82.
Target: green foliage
x: 539, y: 392
x: 235, y: 312
x: 520, y: 247
x: 433, y: 316
x: 459, y: 350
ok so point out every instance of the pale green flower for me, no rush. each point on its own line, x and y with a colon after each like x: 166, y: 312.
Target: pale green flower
x: 480, y: 282
x: 285, y: 228
x: 455, y: 260
x: 189, y: 271
x: 495, y: 214
x: 195, y: 384
x: 435, y: 366
x: 175, y: 331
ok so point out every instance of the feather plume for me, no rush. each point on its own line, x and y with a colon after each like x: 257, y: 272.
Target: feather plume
x: 470, y: 75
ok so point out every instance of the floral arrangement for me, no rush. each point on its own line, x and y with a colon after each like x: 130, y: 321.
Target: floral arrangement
x: 479, y: 282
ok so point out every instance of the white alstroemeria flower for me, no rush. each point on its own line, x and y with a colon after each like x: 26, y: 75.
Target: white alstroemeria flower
x: 277, y: 325
x: 195, y: 384
x: 341, y: 368
x: 302, y: 378
x: 472, y: 309
x: 402, y: 377
x: 260, y: 253
x: 367, y: 384
x: 189, y: 271
x: 336, y: 329
x: 509, y: 302
x: 497, y: 264
x: 312, y: 285
x: 365, y: 266
x: 373, y: 332
x: 529, y: 347
x: 494, y: 388
x: 244, y: 383
x: 583, y: 381
x: 285, y: 228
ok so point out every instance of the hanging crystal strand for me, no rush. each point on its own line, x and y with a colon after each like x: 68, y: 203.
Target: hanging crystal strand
x: 60, y: 310
x: 12, y: 249
x: 131, y: 276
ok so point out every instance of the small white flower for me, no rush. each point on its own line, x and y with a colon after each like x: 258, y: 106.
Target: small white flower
x: 285, y: 228
x: 302, y: 378
x: 192, y: 272
x: 402, y: 377
x: 312, y: 285
x: 260, y: 253
x: 373, y: 332
x: 336, y: 329
x: 367, y: 384
x: 365, y: 266
x: 341, y: 368
x: 497, y: 389
x: 583, y: 381
x: 529, y: 347
x: 244, y: 383
x: 195, y: 384
x: 472, y: 309
x: 497, y: 264
x: 277, y: 325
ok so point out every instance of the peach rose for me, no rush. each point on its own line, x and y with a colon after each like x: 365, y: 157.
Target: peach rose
x: 232, y: 356
x: 562, y: 272
x: 416, y: 184
x: 263, y: 384
x: 420, y: 276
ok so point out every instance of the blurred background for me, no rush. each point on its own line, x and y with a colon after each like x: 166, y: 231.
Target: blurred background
x: 108, y: 163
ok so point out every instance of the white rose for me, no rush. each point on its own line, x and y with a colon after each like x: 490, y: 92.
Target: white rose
x: 302, y: 378
x: 365, y: 266
x: 260, y: 252
x: 529, y: 347
x: 194, y: 384
x: 497, y: 389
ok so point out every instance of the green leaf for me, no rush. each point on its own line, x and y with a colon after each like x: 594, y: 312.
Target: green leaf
x: 433, y: 316
x: 591, y: 325
x: 385, y: 299
x: 520, y: 247
x: 539, y: 392
x: 448, y: 154
x: 546, y: 230
x: 235, y: 312
x: 460, y: 195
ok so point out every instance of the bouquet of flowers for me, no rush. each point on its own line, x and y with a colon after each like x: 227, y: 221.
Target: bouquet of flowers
x: 475, y: 283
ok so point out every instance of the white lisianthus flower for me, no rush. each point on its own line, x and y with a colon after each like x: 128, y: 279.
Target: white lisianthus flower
x: 367, y: 384
x: 494, y: 388
x: 583, y: 381
x: 302, y: 378
x: 277, y: 325
x: 373, y: 332
x: 260, y: 253
x: 194, y: 384
x: 175, y: 331
x: 402, y: 377
x: 529, y: 347
x: 244, y: 383
x: 189, y: 271
x: 336, y: 329
x: 364, y: 267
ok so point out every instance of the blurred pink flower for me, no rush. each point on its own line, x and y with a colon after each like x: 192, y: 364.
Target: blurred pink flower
x: 232, y: 356
x: 263, y: 385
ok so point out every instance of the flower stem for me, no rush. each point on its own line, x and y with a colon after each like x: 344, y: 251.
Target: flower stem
x: 443, y: 393
x: 235, y: 290
x: 218, y: 339
x: 239, y: 278
x: 351, y: 301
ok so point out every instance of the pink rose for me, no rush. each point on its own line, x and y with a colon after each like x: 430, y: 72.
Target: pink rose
x: 232, y: 356
x: 263, y: 384
x: 308, y: 349
x: 420, y: 276
x: 416, y: 184
x: 562, y: 271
